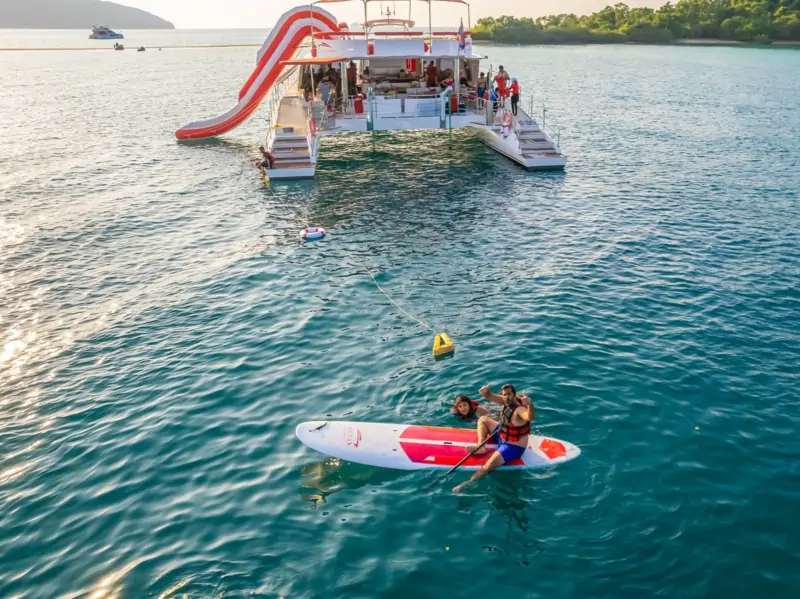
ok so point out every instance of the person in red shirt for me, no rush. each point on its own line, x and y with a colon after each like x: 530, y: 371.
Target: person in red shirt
x: 500, y: 81
x: 431, y: 74
x: 514, y: 95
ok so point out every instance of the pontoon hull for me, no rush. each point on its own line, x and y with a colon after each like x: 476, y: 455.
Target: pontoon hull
x: 509, y: 147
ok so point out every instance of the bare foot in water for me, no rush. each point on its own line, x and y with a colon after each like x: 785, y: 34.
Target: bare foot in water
x: 472, y: 448
x: 458, y: 488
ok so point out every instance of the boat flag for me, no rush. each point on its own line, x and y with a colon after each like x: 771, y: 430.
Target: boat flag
x: 461, y: 40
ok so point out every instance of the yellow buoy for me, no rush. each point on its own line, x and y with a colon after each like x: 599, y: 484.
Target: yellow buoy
x: 442, y: 345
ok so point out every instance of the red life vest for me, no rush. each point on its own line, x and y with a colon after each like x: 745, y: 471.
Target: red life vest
x: 508, y: 430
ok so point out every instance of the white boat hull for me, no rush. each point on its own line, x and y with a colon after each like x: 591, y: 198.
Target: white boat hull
x: 509, y: 147
x: 277, y: 174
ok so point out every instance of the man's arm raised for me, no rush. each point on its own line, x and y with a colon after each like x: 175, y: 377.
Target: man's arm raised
x: 487, y: 394
x: 529, y: 414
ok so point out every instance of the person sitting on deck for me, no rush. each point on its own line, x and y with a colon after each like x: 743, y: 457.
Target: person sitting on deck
x: 510, y: 434
x: 468, y: 409
x: 431, y: 74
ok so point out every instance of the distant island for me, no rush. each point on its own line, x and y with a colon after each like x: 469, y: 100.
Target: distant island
x: 754, y: 21
x: 75, y: 14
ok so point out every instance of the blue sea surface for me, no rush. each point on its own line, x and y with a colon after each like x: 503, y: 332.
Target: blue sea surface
x: 163, y: 330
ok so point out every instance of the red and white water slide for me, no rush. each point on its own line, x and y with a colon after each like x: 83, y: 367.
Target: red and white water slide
x: 281, y: 45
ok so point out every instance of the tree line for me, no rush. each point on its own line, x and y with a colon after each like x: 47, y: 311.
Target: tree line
x: 758, y: 21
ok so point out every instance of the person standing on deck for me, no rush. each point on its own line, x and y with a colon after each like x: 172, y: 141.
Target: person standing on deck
x: 510, y: 434
x: 500, y: 81
x: 431, y: 75
x: 493, y: 100
x: 504, y: 74
x: 514, y: 95
x: 352, y: 79
x: 481, y: 84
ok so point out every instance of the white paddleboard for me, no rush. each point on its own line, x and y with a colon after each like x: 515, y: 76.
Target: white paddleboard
x: 413, y: 447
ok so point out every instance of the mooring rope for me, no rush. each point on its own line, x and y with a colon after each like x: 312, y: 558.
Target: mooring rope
x: 369, y: 272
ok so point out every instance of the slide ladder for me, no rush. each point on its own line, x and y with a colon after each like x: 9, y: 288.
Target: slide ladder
x: 282, y: 44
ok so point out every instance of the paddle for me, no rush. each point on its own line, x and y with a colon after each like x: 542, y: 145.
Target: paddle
x: 468, y: 456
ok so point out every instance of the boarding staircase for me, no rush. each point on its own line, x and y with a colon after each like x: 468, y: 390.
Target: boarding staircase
x: 533, y: 141
x: 290, y: 141
x: 290, y: 149
x: 288, y: 138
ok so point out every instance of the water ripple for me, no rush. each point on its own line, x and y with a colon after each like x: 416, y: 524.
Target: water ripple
x: 164, y: 330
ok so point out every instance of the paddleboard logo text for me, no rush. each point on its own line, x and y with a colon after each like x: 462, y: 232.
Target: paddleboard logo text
x: 352, y: 436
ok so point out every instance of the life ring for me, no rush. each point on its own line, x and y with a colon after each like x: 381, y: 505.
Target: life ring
x: 312, y: 233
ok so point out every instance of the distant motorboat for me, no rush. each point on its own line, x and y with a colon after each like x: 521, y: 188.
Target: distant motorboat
x: 142, y: 49
x: 101, y: 32
x: 118, y: 46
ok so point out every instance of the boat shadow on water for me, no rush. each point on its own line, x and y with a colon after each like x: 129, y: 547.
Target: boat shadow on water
x: 399, y: 206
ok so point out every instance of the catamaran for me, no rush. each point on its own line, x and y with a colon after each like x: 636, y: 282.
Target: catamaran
x: 320, y: 78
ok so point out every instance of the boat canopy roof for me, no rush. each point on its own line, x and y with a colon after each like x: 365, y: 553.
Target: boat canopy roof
x: 389, y: 23
x: 315, y: 60
x: 368, y: 1
x: 357, y: 35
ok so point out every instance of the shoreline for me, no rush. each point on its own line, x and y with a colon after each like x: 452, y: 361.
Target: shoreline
x: 681, y: 42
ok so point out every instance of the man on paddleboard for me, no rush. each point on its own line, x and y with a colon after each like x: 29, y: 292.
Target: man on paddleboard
x: 510, y: 434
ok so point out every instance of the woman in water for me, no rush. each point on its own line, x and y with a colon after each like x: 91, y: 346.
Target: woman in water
x: 468, y: 409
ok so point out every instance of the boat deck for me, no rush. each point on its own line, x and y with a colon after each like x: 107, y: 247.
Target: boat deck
x: 292, y: 113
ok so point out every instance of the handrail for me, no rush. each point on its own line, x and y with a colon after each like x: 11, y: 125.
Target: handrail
x: 370, y: 109
x: 327, y: 113
x: 279, y: 89
x: 443, y: 98
x: 555, y: 136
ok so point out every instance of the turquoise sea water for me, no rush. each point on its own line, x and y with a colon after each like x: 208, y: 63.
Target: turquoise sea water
x: 163, y: 330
